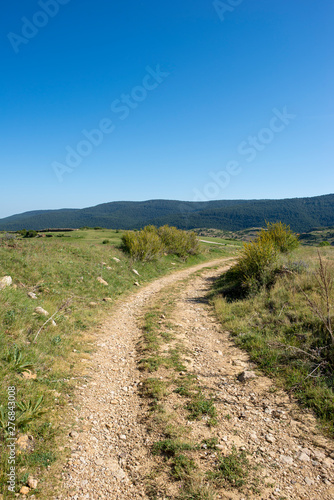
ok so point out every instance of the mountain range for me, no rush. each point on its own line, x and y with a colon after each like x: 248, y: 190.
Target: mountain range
x: 302, y: 214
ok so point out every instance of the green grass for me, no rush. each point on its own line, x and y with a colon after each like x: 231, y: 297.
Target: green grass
x: 62, y: 271
x: 232, y: 469
x: 200, y: 406
x: 154, y: 388
x: 283, y: 334
x: 170, y: 447
x: 182, y: 466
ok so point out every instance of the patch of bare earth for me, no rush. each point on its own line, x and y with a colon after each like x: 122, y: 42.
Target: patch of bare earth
x: 112, y: 440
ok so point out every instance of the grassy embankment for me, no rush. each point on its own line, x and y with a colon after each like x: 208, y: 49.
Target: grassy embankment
x: 44, y: 363
x: 285, y: 322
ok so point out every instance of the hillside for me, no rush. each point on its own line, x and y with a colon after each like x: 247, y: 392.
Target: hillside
x: 303, y: 214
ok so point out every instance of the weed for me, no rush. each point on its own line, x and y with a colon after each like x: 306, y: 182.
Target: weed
x: 182, y: 466
x: 195, y: 489
x: 210, y: 443
x: 186, y: 385
x: 41, y: 459
x: 232, y: 468
x: 199, y: 406
x: 154, y: 388
x: 17, y: 360
x: 29, y: 411
x: 170, y: 447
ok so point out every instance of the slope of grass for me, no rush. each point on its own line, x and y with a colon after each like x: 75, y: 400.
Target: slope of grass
x: 283, y: 333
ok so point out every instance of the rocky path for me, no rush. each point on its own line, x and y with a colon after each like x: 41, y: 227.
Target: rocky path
x: 110, y: 443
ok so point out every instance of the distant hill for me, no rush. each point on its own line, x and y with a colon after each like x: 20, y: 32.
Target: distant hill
x: 303, y: 214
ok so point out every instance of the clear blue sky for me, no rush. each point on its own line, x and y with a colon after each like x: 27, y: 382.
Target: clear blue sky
x: 202, y: 85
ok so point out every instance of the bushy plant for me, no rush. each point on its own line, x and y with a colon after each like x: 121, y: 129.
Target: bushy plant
x: 143, y: 245
x: 30, y: 234
x: 178, y: 242
x: 258, y: 262
x: 150, y: 242
x: 280, y: 235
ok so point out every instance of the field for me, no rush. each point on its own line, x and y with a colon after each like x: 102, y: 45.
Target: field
x: 43, y: 357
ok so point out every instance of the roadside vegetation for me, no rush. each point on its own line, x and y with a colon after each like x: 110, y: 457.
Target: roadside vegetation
x: 75, y: 277
x: 152, y: 242
x: 277, y: 301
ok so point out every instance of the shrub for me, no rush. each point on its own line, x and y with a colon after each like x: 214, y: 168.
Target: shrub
x: 30, y: 234
x: 257, y: 265
x: 144, y: 245
x: 178, y: 242
x: 150, y: 242
x: 280, y: 235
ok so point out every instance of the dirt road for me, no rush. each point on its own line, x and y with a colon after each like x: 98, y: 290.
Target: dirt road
x: 110, y: 442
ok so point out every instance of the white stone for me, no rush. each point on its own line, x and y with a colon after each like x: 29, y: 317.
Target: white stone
x: 286, y: 460
x: 32, y: 482
x: 303, y: 457
x: 246, y: 375
x: 5, y: 281
x: 270, y: 438
x: 102, y: 281
x: 41, y: 311
x: 328, y: 463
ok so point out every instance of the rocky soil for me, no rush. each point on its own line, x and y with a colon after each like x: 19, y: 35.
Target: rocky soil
x: 110, y: 442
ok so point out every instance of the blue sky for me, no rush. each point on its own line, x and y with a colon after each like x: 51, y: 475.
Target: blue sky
x: 192, y: 100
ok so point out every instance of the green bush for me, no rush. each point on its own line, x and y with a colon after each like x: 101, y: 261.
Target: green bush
x: 258, y: 262
x: 257, y: 265
x: 178, y: 242
x: 280, y: 235
x: 150, y: 243
x: 30, y: 234
x: 143, y: 245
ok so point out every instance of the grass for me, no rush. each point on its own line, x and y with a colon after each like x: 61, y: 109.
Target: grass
x: 196, y: 489
x: 43, y: 361
x: 199, y: 405
x: 232, y: 468
x: 154, y: 388
x: 170, y: 447
x: 283, y: 334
